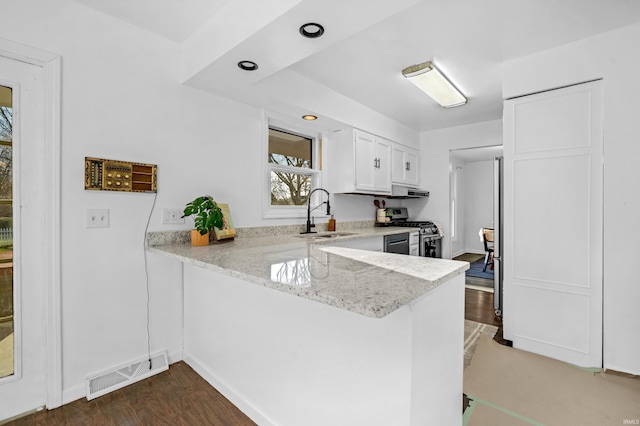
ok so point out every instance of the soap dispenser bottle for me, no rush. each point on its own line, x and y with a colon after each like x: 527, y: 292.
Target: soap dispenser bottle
x: 332, y: 224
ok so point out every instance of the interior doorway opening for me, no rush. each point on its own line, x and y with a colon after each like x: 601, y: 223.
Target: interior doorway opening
x: 473, y: 210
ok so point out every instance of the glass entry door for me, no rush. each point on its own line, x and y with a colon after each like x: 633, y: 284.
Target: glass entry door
x: 6, y: 235
x: 24, y: 270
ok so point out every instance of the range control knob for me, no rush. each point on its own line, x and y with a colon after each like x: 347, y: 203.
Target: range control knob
x: 434, y: 230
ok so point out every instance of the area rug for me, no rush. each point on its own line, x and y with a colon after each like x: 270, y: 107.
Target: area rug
x: 509, y: 386
x: 472, y: 331
x: 475, y: 270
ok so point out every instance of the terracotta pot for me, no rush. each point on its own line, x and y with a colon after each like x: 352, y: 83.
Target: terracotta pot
x: 199, y: 240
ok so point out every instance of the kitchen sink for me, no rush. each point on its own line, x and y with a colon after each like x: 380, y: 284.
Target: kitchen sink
x: 326, y: 235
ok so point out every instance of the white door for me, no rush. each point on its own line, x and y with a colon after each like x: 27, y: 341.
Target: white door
x: 553, y: 196
x: 24, y: 389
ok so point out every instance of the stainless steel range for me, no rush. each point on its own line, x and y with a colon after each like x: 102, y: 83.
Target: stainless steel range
x: 430, y: 234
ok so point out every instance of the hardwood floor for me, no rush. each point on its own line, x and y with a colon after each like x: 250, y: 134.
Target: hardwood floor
x: 181, y: 397
x: 178, y: 396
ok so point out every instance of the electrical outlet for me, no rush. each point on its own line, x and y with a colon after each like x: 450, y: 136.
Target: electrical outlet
x: 97, y: 218
x: 172, y: 216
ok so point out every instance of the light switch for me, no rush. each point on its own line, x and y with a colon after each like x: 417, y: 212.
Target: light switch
x: 172, y: 216
x: 97, y: 218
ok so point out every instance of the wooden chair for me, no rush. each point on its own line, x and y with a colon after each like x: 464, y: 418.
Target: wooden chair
x: 487, y: 239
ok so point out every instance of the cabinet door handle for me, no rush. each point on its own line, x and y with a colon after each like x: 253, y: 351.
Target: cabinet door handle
x: 407, y: 166
x: 378, y: 163
x: 375, y: 163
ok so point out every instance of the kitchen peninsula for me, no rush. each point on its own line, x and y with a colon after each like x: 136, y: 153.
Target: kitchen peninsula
x: 295, y: 330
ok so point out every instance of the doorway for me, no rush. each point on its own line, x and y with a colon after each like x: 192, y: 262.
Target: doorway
x: 473, y: 208
x: 31, y: 80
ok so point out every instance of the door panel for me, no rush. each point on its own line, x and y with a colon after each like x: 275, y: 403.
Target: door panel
x: 559, y: 226
x: 383, y: 172
x: 552, y: 255
x: 25, y: 389
x: 365, y: 155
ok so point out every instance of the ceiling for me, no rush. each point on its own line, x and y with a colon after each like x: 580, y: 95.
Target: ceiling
x: 357, y: 63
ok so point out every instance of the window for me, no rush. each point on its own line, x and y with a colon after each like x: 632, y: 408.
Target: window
x: 293, y: 171
x: 291, y: 161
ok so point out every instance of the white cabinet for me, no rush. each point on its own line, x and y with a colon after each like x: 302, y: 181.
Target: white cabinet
x: 359, y: 162
x: 414, y: 243
x: 404, y: 165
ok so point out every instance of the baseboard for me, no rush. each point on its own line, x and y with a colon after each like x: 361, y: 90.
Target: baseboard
x: 73, y: 393
x: 232, y: 394
x: 458, y: 253
x: 174, y: 357
x: 475, y: 251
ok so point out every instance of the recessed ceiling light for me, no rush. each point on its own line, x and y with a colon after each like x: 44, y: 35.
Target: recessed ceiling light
x: 247, y: 65
x: 309, y: 117
x: 312, y: 30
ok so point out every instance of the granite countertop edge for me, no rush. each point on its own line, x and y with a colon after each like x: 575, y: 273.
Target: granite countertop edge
x: 384, y: 261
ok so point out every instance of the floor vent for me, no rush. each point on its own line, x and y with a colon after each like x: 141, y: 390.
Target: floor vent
x: 124, y: 375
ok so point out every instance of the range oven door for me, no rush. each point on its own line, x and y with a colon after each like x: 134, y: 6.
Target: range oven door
x: 431, y: 246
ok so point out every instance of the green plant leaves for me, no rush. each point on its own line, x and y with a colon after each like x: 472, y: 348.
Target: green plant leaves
x: 206, y: 214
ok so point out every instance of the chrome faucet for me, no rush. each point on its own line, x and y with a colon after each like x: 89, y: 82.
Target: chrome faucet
x: 309, y: 210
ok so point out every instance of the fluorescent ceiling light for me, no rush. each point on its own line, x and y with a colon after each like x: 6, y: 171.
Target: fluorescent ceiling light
x: 427, y: 77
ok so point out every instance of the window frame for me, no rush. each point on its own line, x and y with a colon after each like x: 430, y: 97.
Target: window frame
x: 281, y: 212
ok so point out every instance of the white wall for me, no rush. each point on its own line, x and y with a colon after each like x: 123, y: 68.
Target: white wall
x: 613, y: 56
x: 121, y: 99
x: 478, y: 212
x: 434, y: 167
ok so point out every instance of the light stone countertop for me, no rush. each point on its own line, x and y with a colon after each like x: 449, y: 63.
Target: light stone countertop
x: 369, y: 283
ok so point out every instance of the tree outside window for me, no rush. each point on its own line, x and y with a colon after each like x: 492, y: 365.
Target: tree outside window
x: 292, y: 168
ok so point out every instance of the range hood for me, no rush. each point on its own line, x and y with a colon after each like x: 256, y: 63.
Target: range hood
x: 398, y: 192
x: 404, y: 192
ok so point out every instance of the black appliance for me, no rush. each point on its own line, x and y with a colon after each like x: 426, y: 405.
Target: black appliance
x: 397, y: 243
x: 430, y: 234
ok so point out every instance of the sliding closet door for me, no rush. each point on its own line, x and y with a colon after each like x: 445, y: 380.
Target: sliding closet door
x: 553, y: 223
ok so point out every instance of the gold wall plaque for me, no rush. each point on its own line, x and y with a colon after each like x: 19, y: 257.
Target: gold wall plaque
x: 114, y: 175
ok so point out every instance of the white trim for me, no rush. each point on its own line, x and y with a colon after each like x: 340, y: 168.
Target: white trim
x: 51, y: 64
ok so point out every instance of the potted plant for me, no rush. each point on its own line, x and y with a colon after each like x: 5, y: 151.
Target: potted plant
x: 206, y: 215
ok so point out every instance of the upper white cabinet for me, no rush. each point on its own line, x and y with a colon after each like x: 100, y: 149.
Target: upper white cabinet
x: 404, y: 165
x: 359, y: 162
